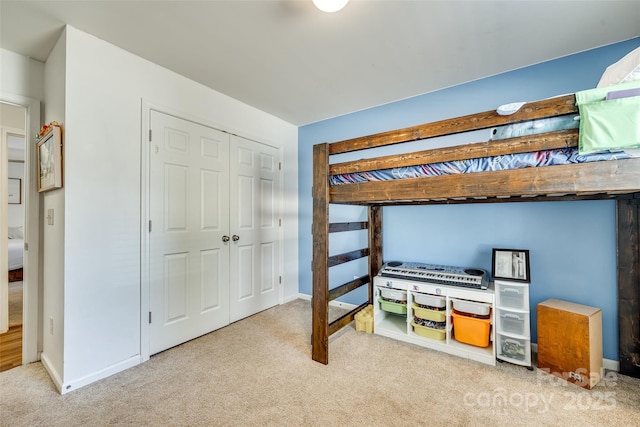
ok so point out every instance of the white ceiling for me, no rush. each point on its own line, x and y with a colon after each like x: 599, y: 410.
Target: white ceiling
x: 303, y: 65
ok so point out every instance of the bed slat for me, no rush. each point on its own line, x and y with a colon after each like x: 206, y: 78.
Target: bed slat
x: 338, y: 227
x: 532, y: 110
x: 348, y: 256
x: 348, y: 287
x: 522, y: 144
x: 621, y: 176
x: 344, y: 320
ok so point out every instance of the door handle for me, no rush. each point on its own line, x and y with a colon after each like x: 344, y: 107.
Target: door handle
x: 235, y: 237
x: 225, y: 239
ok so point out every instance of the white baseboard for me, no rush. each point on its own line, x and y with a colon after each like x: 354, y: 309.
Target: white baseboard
x: 612, y: 365
x: 339, y: 304
x: 291, y: 298
x: 91, y: 378
x: 305, y: 297
x: 55, y: 377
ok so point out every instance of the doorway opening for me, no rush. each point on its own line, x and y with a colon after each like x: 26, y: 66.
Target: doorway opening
x: 13, y: 131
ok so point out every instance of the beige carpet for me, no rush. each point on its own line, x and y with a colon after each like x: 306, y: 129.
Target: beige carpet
x: 15, y: 303
x: 258, y: 372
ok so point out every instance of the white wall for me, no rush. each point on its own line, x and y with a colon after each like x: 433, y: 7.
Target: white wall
x: 21, y: 75
x: 105, y: 87
x: 53, y: 234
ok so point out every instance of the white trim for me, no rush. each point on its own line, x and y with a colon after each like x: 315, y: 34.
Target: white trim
x: 612, y: 365
x: 48, y: 366
x: 334, y: 303
x: 145, y: 119
x: 32, y: 282
x: 4, y: 220
x: 103, y: 373
x: 293, y: 298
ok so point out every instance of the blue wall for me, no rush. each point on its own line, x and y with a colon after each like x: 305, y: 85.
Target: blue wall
x: 572, y: 244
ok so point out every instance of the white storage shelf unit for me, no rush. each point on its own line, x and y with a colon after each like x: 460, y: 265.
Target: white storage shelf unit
x: 399, y: 326
x: 512, y: 321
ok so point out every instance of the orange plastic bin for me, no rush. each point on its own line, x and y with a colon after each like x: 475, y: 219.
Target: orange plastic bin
x: 471, y: 330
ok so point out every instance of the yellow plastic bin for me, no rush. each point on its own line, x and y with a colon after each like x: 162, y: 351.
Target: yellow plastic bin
x: 425, y: 331
x: 428, y: 314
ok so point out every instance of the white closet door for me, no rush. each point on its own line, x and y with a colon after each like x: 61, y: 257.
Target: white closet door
x: 189, y: 212
x: 255, y: 245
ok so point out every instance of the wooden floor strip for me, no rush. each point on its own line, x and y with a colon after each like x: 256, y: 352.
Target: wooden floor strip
x: 11, y: 348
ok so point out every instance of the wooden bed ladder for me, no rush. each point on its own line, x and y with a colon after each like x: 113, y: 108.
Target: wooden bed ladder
x: 322, y: 296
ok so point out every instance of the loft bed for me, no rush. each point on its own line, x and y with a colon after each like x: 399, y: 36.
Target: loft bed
x: 614, y: 177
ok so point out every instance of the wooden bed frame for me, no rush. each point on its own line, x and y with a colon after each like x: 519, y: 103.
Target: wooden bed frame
x: 15, y: 275
x: 612, y: 179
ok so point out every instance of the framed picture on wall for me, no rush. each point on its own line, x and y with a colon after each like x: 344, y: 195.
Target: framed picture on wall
x: 511, y: 264
x: 49, y: 160
x: 14, y: 191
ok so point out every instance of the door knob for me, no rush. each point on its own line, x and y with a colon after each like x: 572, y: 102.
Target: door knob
x: 235, y: 237
x: 225, y: 239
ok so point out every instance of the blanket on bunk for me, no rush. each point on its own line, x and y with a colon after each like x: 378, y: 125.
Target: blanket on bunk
x: 609, y: 117
x: 562, y: 156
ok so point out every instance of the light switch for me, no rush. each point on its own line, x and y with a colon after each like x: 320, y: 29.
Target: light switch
x: 50, y: 216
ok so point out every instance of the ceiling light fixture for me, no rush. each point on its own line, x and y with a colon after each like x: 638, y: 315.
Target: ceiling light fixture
x: 330, y: 5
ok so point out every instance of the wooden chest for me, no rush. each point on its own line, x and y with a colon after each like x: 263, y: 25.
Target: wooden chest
x: 570, y: 341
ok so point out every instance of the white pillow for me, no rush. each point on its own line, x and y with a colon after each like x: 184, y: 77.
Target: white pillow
x: 625, y: 70
x: 16, y: 233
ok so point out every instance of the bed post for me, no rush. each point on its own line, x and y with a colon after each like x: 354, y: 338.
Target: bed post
x: 628, y: 238
x: 375, y: 245
x: 319, y: 263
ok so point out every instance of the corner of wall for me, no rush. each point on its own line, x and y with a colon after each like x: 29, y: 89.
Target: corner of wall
x: 52, y: 232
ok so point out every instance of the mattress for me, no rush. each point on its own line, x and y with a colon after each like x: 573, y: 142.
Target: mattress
x: 562, y: 156
x: 16, y: 251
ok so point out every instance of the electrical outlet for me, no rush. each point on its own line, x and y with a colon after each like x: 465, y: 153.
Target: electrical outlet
x: 51, y: 325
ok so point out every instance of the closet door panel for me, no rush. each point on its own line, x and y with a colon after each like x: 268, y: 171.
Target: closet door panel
x: 255, y: 254
x: 189, y: 213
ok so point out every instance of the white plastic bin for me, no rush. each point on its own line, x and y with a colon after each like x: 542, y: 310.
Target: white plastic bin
x: 471, y: 307
x: 512, y: 295
x: 513, y: 322
x: 513, y: 349
x: 430, y: 300
x: 393, y: 294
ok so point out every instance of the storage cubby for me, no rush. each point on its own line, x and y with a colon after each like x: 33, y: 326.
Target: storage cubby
x: 422, y: 313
